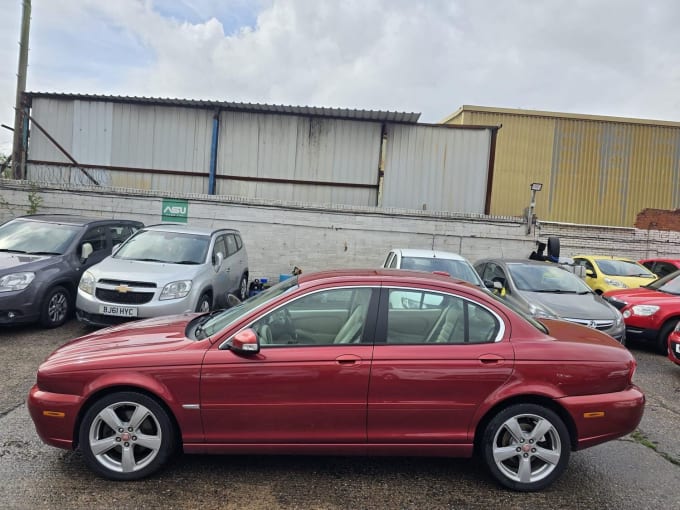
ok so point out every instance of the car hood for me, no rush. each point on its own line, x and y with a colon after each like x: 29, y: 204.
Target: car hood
x: 137, y: 270
x: 144, y: 337
x: 642, y: 295
x: 21, y: 261
x: 573, y: 306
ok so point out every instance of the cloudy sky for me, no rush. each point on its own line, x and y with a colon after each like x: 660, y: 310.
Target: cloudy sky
x: 608, y: 57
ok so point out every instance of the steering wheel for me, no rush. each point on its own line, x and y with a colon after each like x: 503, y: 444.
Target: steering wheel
x: 265, y: 335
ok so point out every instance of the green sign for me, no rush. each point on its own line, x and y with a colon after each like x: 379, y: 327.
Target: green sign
x: 175, y: 210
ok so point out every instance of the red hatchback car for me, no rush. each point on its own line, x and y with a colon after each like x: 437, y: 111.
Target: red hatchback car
x: 369, y: 362
x: 650, y: 312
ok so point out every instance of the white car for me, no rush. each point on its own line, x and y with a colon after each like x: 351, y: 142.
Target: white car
x: 450, y: 263
x: 164, y: 270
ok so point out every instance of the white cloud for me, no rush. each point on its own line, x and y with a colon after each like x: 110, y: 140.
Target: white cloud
x: 613, y: 57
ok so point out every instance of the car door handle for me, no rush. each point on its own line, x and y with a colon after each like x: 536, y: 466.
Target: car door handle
x: 490, y: 359
x: 348, y: 359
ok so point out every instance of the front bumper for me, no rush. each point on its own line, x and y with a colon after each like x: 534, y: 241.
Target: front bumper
x: 674, y: 351
x: 89, y: 309
x: 601, y: 418
x: 20, y: 306
x: 54, y: 416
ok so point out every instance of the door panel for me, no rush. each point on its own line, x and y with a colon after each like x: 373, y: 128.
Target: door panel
x: 429, y: 392
x: 286, y: 394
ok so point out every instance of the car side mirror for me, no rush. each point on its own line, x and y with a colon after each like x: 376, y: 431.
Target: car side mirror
x: 590, y: 273
x: 85, y: 251
x: 245, y: 342
x: 494, y: 285
x: 219, y: 258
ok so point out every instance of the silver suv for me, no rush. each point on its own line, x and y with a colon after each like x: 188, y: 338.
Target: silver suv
x: 164, y: 270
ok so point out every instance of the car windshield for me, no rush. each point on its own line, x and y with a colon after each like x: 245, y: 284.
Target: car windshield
x: 168, y: 247
x: 669, y: 284
x: 623, y: 268
x: 545, y: 278
x: 36, y: 237
x: 460, y: 269
x: 219, y: 321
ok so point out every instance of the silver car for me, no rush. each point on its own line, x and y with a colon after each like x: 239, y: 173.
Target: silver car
x: 164, y: 270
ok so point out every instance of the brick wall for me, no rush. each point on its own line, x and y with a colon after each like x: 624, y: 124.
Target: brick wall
x: 279, y: 236
x: 658, y: 219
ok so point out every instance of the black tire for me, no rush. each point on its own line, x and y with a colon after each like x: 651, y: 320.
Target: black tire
x: 204, y: 303
x: 505, y: 455
x: 126, y: 450
x: 662, y: 340
x: 243, y: 288
x: 554, y: 248
x: 56, y: 308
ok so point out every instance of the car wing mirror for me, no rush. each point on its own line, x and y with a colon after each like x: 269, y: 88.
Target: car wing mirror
x: 590, y: 272
x: 232, y: 300
x: 245, y: 342
x: 85, y: 251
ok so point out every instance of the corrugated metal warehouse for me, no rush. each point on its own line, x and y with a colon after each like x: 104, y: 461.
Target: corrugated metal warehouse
x: 271, y: 152
x: 594, y: 169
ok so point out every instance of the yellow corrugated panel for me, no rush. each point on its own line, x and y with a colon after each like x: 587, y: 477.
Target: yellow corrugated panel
x: 594, y: 170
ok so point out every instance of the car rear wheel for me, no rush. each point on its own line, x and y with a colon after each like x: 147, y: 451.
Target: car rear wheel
x: 526, y: 447
x: 56, y: 307
x: 662, y: 341
x: 126, y: 436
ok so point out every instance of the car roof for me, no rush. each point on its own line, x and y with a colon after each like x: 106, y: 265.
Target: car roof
x: 657, y: 259
x: 72, y: 219
x: 428, y: 254
x: 385, y: 275
x: 517, y: 261
x: 604, y: 257
x: 188, y: 229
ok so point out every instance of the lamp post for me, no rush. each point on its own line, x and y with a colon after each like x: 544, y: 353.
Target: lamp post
x: 535, y: 186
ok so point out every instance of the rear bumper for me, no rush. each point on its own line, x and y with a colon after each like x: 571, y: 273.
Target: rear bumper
x: 601, y: 418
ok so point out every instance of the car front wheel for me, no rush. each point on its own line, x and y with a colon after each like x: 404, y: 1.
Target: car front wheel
x: 56, y: 307
x: 204, y: 303
x: 126, y: 436
x: 243, y: 288
x: 526, y: 447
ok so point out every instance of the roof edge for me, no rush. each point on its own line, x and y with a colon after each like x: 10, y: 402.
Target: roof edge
x: 558, y: 115
x: 315, y: 111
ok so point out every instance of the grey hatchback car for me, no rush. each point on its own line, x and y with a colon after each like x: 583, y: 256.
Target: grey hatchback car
x: 42, y: 257
x: 164, y: 269
x: 544, y: 289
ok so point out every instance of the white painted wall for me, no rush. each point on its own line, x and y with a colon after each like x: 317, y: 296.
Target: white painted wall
x: 280, y: 235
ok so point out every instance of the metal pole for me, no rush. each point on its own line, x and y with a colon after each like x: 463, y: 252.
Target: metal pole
x: 530, y: 213
x: 18, y: 147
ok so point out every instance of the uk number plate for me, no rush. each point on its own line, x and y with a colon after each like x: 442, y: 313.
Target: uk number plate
x: 118, y: 311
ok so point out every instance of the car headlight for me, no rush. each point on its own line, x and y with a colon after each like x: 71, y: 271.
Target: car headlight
x: 615, y: 283
x: 86, y: 283
x: 644, y: 310
x: 539, y: 311
x: 16, y: 281
x: 175, y: 290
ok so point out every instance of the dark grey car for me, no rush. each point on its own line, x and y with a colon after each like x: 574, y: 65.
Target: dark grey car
x: 42, y: 258
x: 543, y: 289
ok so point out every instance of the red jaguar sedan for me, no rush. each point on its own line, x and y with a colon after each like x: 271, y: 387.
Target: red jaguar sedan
x: 368, y: 362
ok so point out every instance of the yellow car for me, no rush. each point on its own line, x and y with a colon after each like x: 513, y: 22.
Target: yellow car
x: 605, y: 273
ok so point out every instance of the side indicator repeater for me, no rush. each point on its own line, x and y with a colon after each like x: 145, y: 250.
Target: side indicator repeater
x: 595, y: 414
x: 54, y: 414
